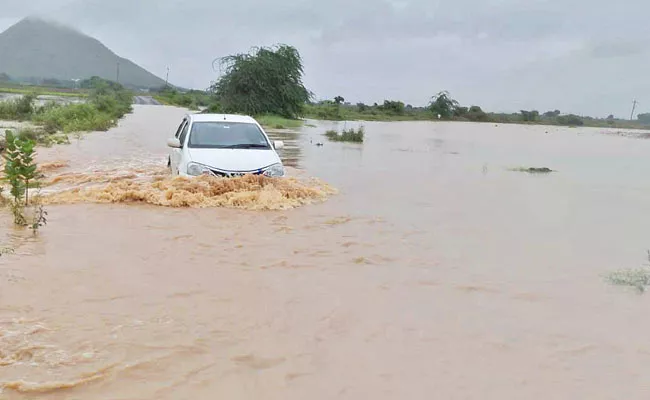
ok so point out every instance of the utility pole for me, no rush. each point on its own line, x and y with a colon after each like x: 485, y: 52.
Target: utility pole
x: 118, y: 72
x: 167, y: 78
x: 634, y: 103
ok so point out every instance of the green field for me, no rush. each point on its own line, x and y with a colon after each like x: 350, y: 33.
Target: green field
x: 42, y: 90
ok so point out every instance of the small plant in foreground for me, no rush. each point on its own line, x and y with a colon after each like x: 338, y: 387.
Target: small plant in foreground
x: 348, y: 135
x: 13, y: 167
x: 20, y: 172
x: 637, y: 278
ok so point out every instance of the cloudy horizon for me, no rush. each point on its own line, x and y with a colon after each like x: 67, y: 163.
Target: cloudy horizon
x: 503, y: 55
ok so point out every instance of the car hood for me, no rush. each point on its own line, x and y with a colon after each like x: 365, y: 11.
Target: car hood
x: 242, y: 160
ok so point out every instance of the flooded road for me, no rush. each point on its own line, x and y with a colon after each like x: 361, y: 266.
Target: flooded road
x: 434, y: 272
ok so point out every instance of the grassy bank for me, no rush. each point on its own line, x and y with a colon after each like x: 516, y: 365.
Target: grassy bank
x: 276, y: 122
x: 107, y: 103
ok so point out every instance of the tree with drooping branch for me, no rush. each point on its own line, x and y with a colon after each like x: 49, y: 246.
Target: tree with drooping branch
x: 263, y: 81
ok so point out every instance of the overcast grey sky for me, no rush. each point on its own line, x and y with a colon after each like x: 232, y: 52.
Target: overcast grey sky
x: 582, y: 56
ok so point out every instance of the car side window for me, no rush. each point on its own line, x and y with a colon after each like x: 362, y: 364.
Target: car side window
x: 180, y: 128
x: 183, y: 135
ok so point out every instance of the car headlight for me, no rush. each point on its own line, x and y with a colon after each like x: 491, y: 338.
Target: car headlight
x: 194, y: 169
x: 275, y: 170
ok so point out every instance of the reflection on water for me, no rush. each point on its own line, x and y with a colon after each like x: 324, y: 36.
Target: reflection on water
x: 435, y: 269
x: 291, y: 153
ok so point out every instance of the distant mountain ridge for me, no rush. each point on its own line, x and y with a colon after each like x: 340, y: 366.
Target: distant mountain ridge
x: 37, y: 48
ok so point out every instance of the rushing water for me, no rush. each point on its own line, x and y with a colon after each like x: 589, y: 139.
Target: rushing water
x: 434, y: 272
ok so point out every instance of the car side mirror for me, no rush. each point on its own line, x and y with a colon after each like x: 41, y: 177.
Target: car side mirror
x: 174, y: 142
x: 278, y: 144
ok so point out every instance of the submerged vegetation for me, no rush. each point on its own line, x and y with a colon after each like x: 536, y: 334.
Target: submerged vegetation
x: 347, y: 135
x: 637, y: 278
x: 533, y: 170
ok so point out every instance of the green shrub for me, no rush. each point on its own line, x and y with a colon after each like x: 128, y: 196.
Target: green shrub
x: 107, y: 102
x: 25, y: 105
x: 75, y: 118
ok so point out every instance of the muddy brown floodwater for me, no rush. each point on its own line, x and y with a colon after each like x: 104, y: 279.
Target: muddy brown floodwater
x: 433, y: 272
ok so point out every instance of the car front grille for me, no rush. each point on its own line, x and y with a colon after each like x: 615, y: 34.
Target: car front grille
x: 229, y: 174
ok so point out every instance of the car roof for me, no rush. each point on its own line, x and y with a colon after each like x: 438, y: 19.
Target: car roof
x: 220, y: 117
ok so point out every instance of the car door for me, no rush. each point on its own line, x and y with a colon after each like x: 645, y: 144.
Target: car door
x: 176, y: 154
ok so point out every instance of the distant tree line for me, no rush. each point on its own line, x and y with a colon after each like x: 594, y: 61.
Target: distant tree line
x: 269, y: 80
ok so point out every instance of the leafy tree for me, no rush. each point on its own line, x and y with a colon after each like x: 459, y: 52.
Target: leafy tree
x: 339, y: 100
x: 362, y: 107
x: 475, y: 113
x: 570, y: 120
x: 393, y: 107
x: 643, y: 118
x: 529, y: 116
x: 25, y: 105
x: 4, y: 77
x: 263, y: 81
x: 552, y: 114
x: 442, y: 104
x: 461, y: 112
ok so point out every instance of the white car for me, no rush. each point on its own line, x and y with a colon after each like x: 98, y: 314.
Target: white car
x: 223, y: 145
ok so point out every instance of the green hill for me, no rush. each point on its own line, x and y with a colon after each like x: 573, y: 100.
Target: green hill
x: 34, y: 48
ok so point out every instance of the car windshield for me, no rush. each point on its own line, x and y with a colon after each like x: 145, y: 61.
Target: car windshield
x: 227, y: 135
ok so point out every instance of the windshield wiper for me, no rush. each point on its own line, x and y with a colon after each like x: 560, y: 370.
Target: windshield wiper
x: 247, y: 146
